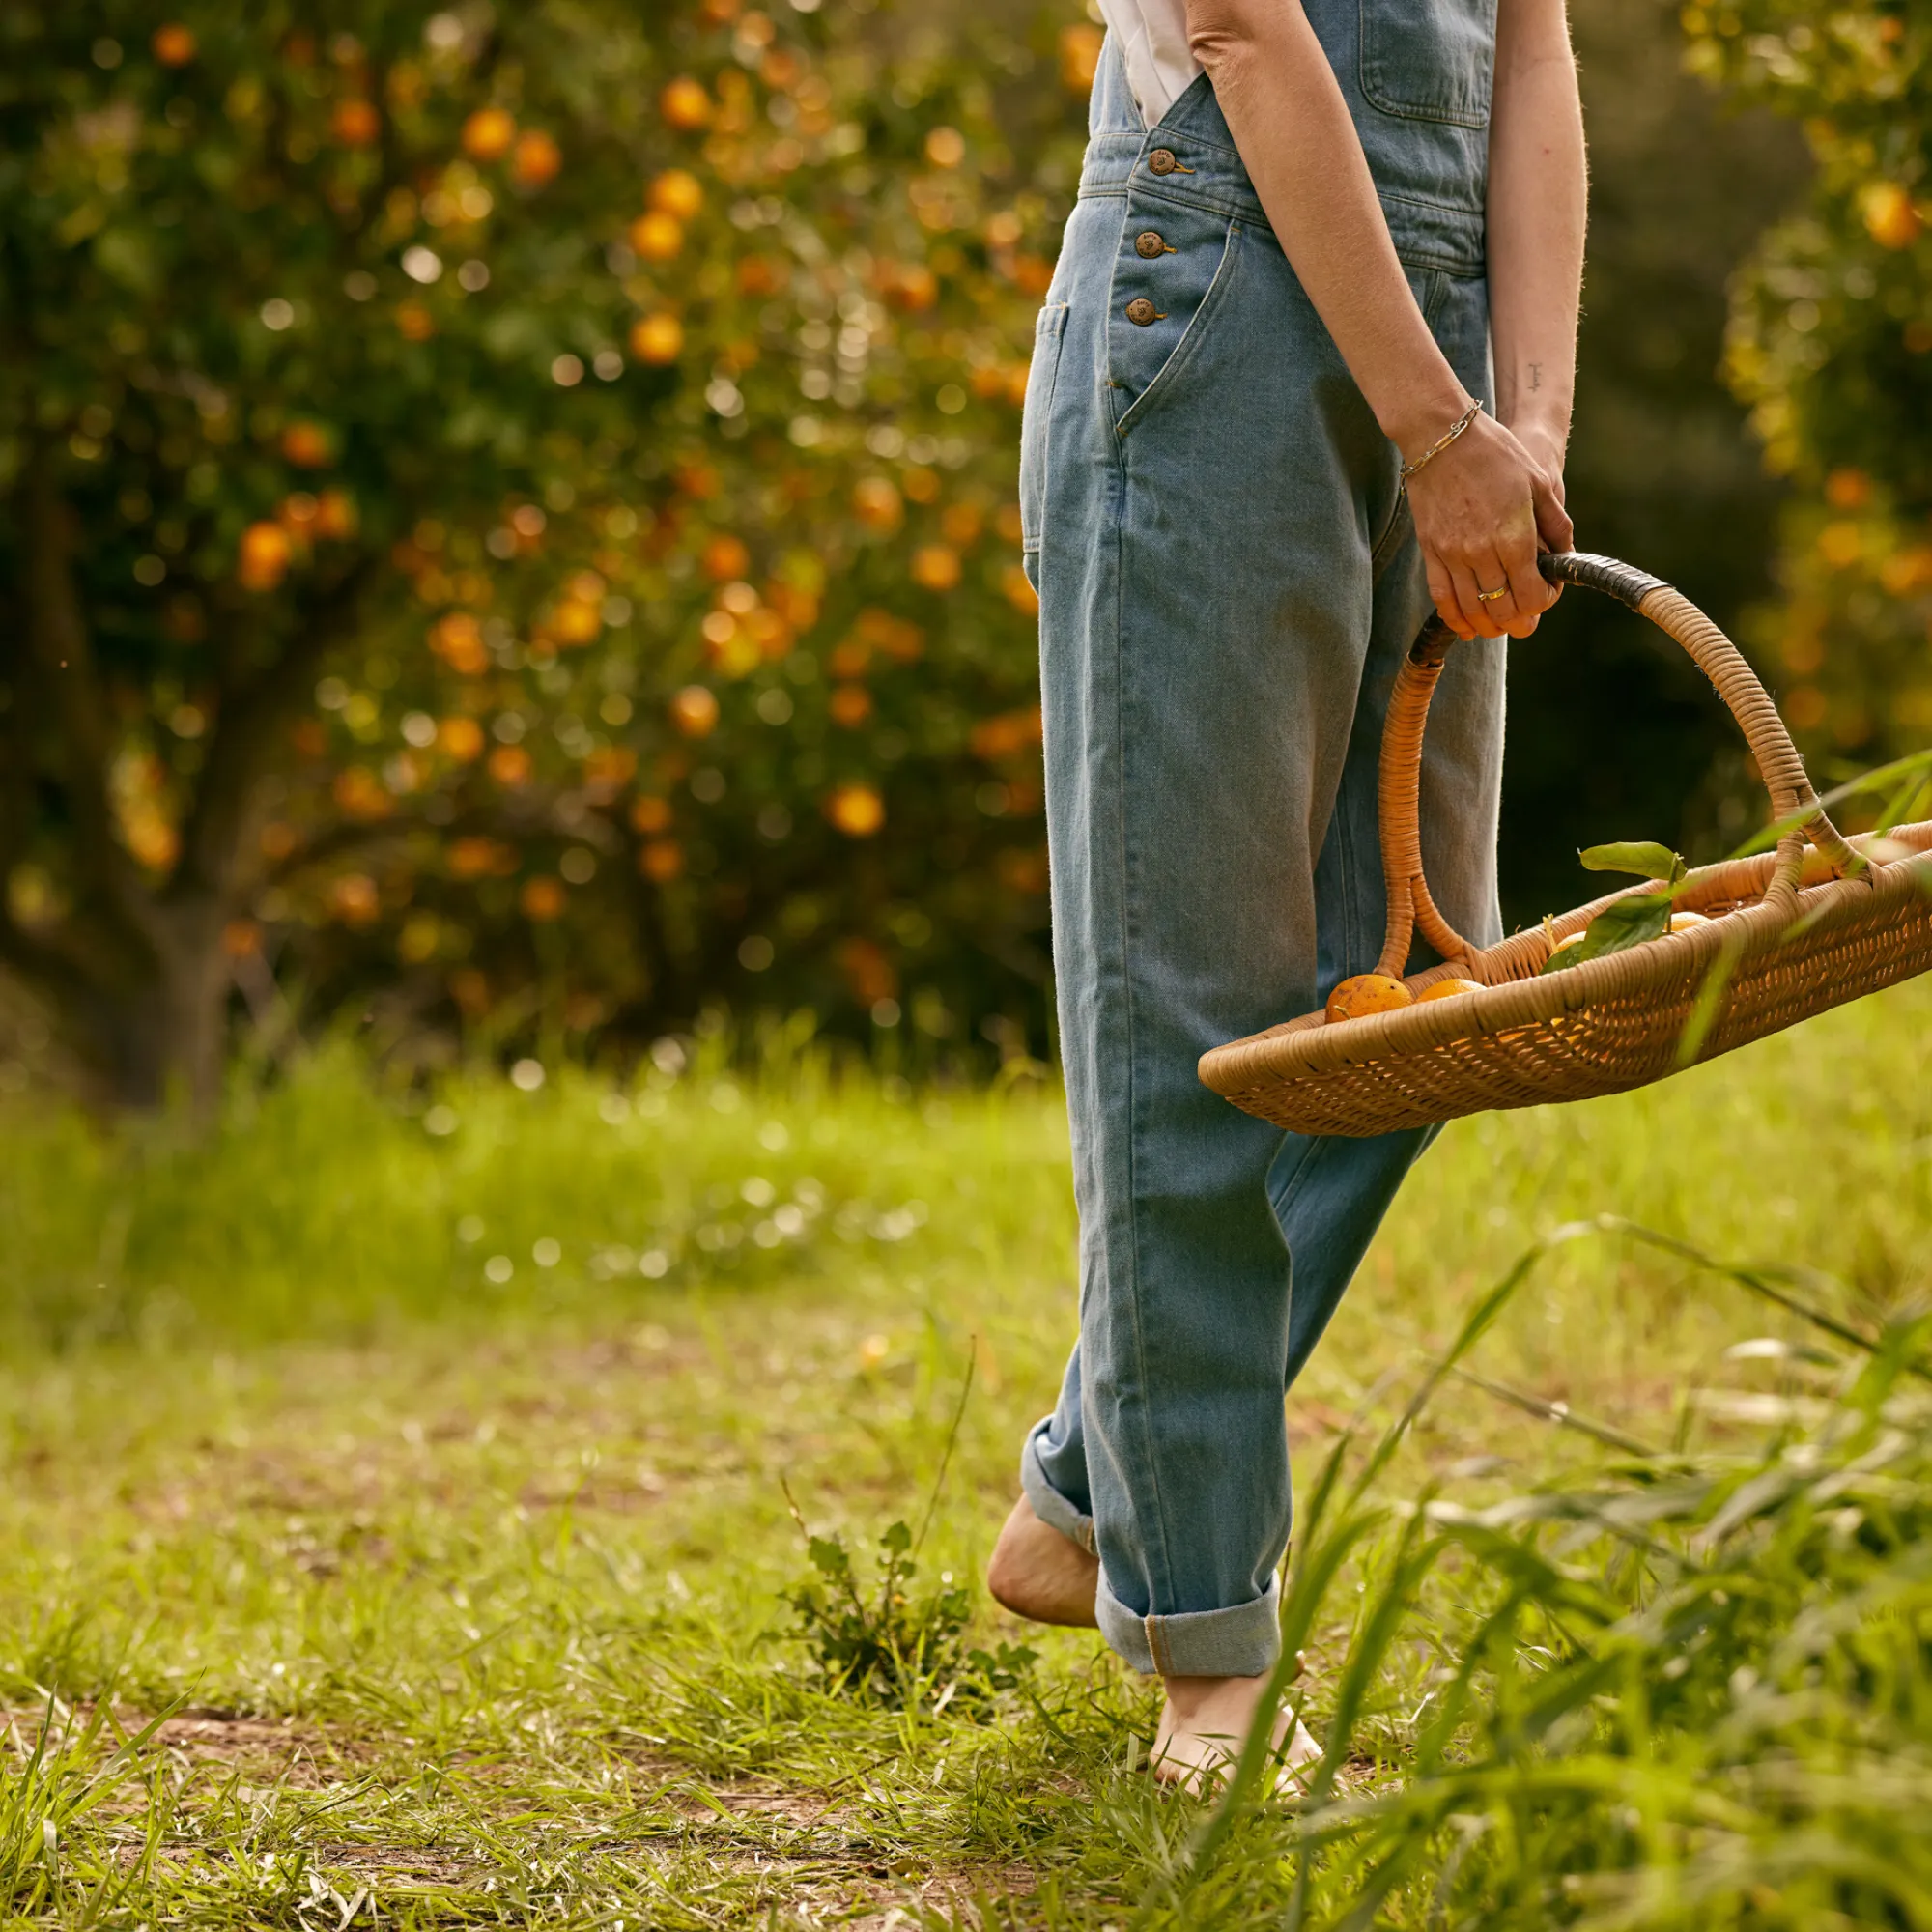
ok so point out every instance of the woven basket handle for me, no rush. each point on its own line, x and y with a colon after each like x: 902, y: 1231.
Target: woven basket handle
x: 1779, y: 764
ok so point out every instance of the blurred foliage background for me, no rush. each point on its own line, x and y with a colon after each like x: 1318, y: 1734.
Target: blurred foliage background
x: 509, y: 530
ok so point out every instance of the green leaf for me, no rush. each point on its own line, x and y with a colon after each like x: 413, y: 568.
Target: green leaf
x: 829, y: 1557
x: 1620, y: 925
x: 1646, y: 858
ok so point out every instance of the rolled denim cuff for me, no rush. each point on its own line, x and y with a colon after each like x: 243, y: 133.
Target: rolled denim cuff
x: 1048, y: 1504
x: 1239, y: 1643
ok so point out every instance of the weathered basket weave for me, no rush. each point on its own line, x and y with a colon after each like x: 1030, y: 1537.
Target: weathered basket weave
x: 1791, y: 933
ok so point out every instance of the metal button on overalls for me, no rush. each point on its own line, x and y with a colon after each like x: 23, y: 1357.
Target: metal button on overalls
x: 1147, y: 246
x: 1163, y: 162
x: 1143, y: 312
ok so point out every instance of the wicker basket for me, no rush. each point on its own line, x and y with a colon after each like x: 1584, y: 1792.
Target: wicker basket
x: 1790, y: 934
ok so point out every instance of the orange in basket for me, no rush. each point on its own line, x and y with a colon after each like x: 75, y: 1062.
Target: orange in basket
x: 1785, y: 935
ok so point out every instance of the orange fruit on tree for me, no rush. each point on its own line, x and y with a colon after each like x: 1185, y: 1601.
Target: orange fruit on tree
x: 685, y: 106
x: 353, y: 899
x: 1891, y: 219
x: 1079, y: 57
x: 266, y: 550
x: 936, y: 567
x: 657, y: 339
x: 1368, y: 993
x: 1016, y: 586
x: 510, y: 766
x: 462, y: 738
x: 306, y: 444
x: 488, y: 134
x: 695, y: 710
x: 574, y: 622
x: 724, y: 559
x: 657, y: 237
x: 660, y: 861
x: 677, y: 193
x: 1448, y: 990
x: 335, y: 514
x: 850, y: 705
x: 878, y: 505
x: 914, y: 286
x: 856, y: 810
x: 356, y: 124
x: 535, y: 159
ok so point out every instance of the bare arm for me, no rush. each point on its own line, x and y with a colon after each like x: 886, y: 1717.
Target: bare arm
x: 1479, y: 506
x: 1536, y: 219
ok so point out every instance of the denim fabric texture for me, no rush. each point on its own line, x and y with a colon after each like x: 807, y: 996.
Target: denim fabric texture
x: 1229, y: 580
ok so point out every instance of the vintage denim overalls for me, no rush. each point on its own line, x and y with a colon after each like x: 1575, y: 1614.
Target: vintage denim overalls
x: 1228, y: 580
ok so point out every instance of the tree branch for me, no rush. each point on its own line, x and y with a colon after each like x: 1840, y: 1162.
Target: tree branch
x: 336, y: 841
x: 247, y: 724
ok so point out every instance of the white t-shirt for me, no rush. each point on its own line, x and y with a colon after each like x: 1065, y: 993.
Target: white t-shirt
x: 1153, y: 33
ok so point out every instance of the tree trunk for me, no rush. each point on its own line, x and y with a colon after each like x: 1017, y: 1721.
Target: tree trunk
x: 136, y: 978
x: 162, y: 1039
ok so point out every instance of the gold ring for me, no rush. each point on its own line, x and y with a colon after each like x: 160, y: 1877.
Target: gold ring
x: 1491, y: 596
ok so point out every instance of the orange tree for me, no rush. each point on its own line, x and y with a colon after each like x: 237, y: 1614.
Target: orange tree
x: 1832, y: 345
x: 513, y: 507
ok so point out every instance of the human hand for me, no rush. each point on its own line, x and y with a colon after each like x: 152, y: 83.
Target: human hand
x: 1482, y: 509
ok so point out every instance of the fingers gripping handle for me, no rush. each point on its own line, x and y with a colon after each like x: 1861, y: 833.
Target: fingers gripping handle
x: 1779, y: 764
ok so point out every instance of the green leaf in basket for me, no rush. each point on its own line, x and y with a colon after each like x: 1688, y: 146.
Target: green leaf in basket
x: 1647, y: 860
x: 1620, y: 925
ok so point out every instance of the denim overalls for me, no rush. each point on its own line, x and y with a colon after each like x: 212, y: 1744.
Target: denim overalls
x: 1228, y: 580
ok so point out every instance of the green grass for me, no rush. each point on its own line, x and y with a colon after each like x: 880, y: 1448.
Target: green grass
x: 336, y: 1571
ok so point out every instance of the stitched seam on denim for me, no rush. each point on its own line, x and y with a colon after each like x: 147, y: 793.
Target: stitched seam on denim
x: 1188, y: 347
x: 1126, y: 937
x: 1466, y: 268
x: 1113, y: 386
x: 1462, y: 212
x: 1105, y: 181
x: 1385, y: 105
x: 1157, y: 1647
x: 1397, y: 516
x: 1442, y: 120
x: 1046, y: 427
x: 1165, y: 135
x: 1317, y: 1149
x: 1470, y: 263
x: 1236, y: 206
x: 1181, y: 135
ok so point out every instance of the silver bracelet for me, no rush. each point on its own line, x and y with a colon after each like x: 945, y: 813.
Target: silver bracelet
x: 1441, y: 443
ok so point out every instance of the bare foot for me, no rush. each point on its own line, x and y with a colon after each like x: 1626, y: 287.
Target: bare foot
x: 1038, y: 1573
x: 1205, y: 1725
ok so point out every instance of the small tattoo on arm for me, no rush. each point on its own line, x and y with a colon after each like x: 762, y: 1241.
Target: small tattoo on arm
x: 1536, y: 374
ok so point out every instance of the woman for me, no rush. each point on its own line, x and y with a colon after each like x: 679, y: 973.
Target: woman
x: 1313, y: 237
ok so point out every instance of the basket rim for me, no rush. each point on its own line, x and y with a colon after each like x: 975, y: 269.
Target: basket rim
x: 1312, y: 1045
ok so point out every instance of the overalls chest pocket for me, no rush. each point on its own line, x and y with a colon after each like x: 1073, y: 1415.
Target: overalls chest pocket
x: 1430, y: 60
x: 1173, y: 270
